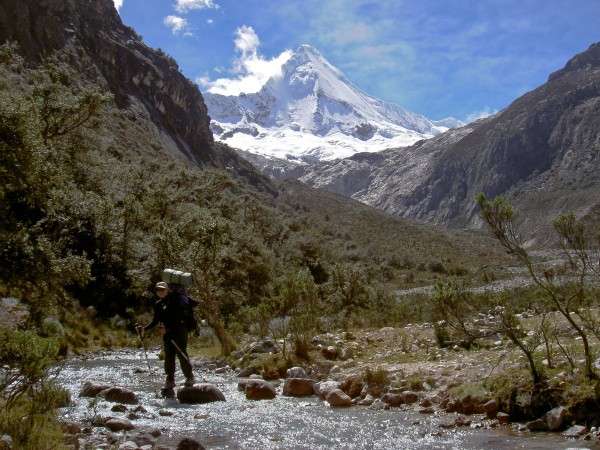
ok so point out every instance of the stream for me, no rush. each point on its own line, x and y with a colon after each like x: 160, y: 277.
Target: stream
x: 281, y: 423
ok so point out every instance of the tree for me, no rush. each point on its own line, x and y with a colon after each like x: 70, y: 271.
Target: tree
x: 569, y: 296
x: 348, y: 290
x: 206, y: 249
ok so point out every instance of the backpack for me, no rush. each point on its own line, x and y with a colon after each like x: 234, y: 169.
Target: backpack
x: 190, y: 322
x: 189, y: 304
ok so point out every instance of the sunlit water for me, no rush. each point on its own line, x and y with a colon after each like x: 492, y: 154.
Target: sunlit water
x: 281, y: 423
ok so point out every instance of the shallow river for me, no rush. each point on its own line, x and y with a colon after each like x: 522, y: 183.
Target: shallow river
x: 282, y: 423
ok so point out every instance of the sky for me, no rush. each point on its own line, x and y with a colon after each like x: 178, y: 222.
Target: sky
x: 462, y: 58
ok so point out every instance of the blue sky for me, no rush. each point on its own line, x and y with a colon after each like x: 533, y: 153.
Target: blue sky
x: 439, y: 58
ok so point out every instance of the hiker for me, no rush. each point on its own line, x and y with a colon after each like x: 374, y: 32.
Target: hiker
x: 169, y: 316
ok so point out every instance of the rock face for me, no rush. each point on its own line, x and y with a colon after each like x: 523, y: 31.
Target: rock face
x: 104, y: 50
x: 541, y: 153
x: 151, y: 96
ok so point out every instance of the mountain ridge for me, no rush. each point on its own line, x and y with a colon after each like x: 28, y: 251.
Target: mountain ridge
x: 541, y: 152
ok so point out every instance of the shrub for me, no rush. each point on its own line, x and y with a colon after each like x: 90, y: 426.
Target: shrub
x: 29, y: 398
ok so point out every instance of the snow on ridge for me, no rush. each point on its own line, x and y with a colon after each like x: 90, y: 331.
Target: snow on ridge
x: 312, y: 112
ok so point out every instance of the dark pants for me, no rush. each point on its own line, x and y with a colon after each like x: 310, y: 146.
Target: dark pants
x: 180, y: 337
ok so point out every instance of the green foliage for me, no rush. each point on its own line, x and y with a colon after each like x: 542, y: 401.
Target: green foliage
x: 378, y: 378
x: 29, y: 397
x: 348, y: 291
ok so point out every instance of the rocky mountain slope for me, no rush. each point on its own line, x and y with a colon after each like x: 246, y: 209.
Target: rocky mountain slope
x: 150, y: 93
x: 312, y: 112
x: 541, y: 152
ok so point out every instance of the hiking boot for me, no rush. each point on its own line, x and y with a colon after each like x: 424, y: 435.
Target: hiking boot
x: 189, y: 381
x: 169, y: 384
x: 167, y: 392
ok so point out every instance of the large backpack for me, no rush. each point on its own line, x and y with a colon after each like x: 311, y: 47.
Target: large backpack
x: 189, y: 304
x: 178, y: 281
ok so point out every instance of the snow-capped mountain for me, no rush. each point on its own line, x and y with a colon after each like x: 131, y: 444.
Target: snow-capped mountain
x: 312, y: 112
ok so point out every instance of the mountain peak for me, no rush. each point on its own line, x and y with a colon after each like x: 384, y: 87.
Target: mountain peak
x: 308, y: 50
x: 313, y: 112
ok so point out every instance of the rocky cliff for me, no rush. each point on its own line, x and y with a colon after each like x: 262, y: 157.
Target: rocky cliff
x: 542, y: 153
x: 105, y: 51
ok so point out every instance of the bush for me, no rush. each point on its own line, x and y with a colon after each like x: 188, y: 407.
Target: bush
x: 29, y: 398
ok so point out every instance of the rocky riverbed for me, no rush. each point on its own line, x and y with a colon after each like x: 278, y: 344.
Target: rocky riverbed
x: 288, y: 415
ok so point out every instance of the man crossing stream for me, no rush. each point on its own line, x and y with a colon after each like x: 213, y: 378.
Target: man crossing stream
x: 169, y: 315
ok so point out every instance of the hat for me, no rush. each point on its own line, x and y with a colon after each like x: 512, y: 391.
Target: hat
x: 161, y: 285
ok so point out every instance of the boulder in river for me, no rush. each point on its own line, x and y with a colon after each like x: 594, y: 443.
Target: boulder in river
x: 118, y: 425
x: 338, y: 398
x: 298, y: 387
x: 259, y: 390
x: 93, y: 388
x: 200, y: 393
x: 323, y: 388
x: 120, y: 395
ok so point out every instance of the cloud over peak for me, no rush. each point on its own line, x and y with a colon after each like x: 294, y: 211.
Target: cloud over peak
x: 250, y: 69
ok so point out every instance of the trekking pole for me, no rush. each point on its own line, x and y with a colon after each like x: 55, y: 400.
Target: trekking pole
x: 185, y: 356
x: 145, y: 352
x: 181, y: 352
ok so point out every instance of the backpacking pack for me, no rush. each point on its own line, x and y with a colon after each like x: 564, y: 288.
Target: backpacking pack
x: 189, y: 304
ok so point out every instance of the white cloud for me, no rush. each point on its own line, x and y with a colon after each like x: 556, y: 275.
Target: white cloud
x: 250, y: 69
x: 486, y: 112
x: 177, y: 25
x: 118, y: 4
x: 183, y: 6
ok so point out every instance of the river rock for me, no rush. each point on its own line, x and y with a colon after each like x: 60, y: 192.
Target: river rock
x: 296, y: 372
x: 144, y: 438
x: 367, y: 401
x: 339, y: 399
x: 554, y: 418
x: 93, y: 388
x: 536, y: 425
x: 503, y: 418
x: 119, y: 425
x: 129, y: 445
x: 265, y: 346
x: 119, y: 408
x: 298, y: 387
x: 246, y: 371
x: 489, y: 408
x: 330, y: 352
x: 323, y: 388
x: 259, y: 390
x: 189, y: 444
x: 409, y: 397
x: 200, y: 393
x: 392, y: 399
x: 119, y: 395
x: 575, y: 431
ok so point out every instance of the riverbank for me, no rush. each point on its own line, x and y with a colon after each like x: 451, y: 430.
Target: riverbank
x: 281, y: 423
x: 376, y: 367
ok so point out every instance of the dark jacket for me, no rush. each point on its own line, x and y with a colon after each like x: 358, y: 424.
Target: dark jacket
x: 168, y: 311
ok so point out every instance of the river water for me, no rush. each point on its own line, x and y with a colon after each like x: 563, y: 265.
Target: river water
x: 281, y: 423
